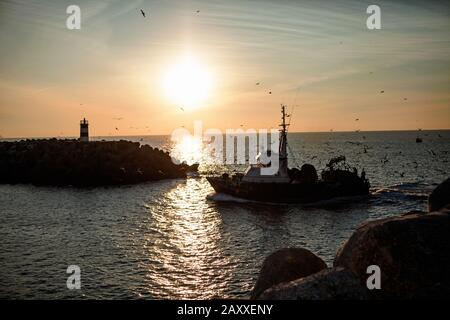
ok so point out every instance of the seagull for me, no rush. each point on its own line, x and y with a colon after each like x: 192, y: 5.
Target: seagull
x: 143, y: 13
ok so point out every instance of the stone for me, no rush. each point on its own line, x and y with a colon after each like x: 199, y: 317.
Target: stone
x: 97, y: 163
x: 440, y: 197
x: 285, y: 265
x: 412, y: 251
x: 329, y: 284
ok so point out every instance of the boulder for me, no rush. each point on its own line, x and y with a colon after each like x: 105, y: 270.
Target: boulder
x: 97, y: 163
x: 440, y: 197
x: 329, y: 284
x: 285, y: 265
x: 412, y: 251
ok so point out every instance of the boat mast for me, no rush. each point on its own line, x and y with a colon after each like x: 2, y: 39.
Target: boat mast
x: 283, y: 170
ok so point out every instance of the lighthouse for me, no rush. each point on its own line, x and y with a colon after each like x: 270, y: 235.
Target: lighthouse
x: 84, y: 130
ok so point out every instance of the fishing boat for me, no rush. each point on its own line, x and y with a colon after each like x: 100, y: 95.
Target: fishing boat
x: 293, y: 185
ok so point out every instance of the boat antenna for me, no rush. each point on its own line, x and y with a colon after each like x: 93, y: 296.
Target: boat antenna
x: 290, y: 117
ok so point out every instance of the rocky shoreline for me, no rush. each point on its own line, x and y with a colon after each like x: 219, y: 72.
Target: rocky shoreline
x: 97, y: 163
x: 412, y: 251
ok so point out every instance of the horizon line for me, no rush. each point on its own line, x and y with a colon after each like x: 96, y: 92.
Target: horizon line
x: 162, y: 135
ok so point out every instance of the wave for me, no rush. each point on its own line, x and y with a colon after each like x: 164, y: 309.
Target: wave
x: 404, y: 191
x: 222, y: 197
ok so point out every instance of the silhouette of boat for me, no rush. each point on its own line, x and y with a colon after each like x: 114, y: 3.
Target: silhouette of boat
x: 293, y: 185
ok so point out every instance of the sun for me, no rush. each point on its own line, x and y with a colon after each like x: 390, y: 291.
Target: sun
x: 187, y: 83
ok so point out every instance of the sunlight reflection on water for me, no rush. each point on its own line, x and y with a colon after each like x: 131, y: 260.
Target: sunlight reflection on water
x: 190, y: 229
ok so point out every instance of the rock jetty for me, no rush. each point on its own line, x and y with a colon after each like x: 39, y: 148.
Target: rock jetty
x: 412, y: 252
x: 97, y: 163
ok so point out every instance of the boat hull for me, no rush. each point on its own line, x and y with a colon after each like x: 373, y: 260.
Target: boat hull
x: 288, y: 192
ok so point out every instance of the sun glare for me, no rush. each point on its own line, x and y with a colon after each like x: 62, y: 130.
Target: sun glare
x: 187, y: 83
x: 188, y: 148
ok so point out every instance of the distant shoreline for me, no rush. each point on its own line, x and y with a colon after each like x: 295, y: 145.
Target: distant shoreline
x: 96, y: 138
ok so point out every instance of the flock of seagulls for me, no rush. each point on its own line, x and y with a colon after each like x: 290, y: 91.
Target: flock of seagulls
x: 384, y: 160
x: 259, y: 83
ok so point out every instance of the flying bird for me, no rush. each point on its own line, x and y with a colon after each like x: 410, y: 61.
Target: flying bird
x: 270, y: 92
x: 357, y: 119
x: 198, y: 11
x: 143, y: 13
x: 181, y: 108
x: 117, y: 129
x: 118, y: 118
x: 257, y: 83
x: 382, y: 91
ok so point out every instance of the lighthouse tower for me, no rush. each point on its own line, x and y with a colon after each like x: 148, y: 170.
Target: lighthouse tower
x: 84, y: 130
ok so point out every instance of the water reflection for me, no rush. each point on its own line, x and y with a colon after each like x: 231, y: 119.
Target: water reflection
x: 188, y: 148
x: 188, y: 248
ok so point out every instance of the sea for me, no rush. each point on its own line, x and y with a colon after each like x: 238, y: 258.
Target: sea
x: 178, y: 239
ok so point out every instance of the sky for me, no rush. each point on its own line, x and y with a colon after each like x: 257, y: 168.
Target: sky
x: 125, y: 73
